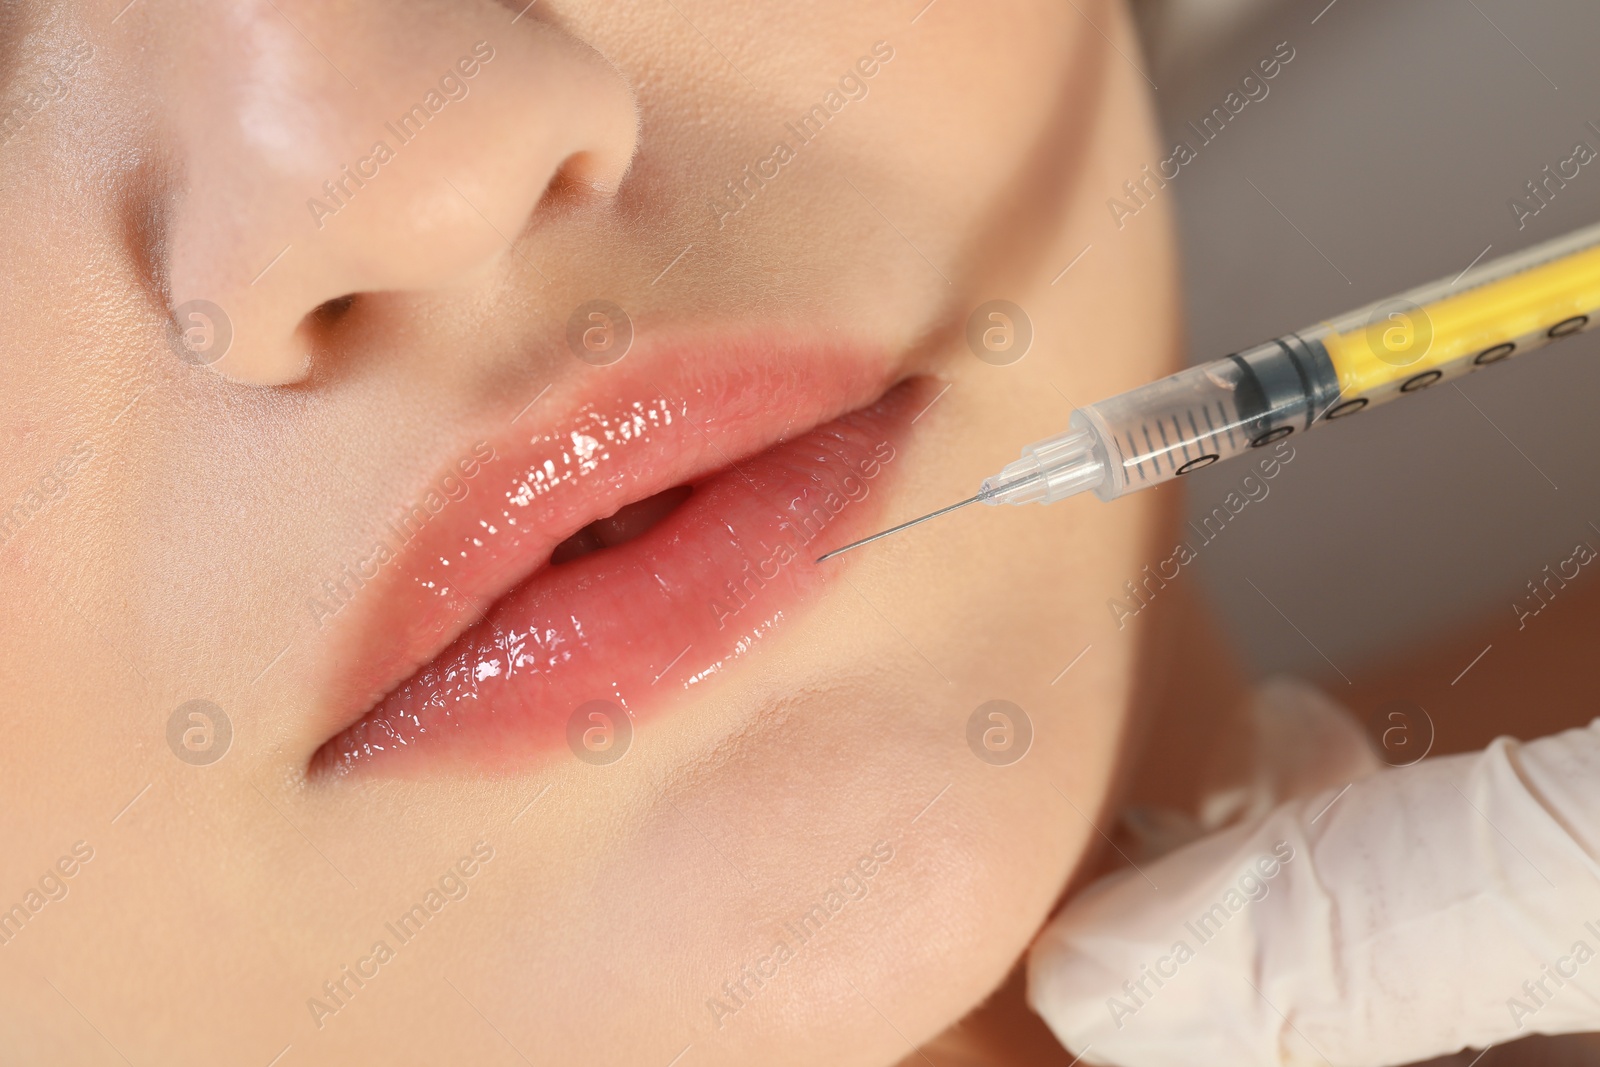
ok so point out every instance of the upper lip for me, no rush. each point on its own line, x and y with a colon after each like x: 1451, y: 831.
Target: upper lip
x: 715, y: 402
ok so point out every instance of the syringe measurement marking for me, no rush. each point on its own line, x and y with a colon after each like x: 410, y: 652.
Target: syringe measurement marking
x: 1122, y: 458
x: 1133, y: 450
x: 1155, y: 460
x: 1187, y: 441
x: 1183, y: 442
x: 1216, y: 445
x: 1227, y: 424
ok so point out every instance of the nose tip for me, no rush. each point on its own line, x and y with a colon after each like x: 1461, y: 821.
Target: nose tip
x: 413, y: 183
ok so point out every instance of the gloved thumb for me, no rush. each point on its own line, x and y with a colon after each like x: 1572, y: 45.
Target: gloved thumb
x: 1451, y: 904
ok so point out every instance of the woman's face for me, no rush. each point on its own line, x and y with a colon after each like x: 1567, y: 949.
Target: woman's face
x: 421, y: 421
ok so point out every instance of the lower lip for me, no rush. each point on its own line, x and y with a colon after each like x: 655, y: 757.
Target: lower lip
x: 633, y: 624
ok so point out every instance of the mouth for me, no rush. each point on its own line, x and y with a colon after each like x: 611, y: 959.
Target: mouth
x: 566, y: 580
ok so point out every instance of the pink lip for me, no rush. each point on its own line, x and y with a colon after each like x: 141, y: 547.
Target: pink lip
x: 471, y: 648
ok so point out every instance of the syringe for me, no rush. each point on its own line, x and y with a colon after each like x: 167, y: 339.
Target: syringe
x: 1332, y: 370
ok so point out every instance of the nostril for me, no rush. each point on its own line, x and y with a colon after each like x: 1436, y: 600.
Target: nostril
x: 581, y: 176
x: 417, y: 206
x: 327, y: 319
x: 319, y: 329
x: 329, y: 312
x: 567, y: 190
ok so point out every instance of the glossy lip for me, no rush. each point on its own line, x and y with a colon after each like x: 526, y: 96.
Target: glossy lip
x: 469, y: 646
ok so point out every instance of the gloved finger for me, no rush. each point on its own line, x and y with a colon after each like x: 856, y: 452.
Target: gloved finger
x: 1451, y: 904
x: 1296, y: 742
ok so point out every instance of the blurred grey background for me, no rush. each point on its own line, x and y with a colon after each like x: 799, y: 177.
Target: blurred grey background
x: 1384, y: 157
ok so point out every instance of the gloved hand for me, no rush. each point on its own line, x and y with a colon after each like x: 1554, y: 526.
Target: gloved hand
x: 1450, y: 904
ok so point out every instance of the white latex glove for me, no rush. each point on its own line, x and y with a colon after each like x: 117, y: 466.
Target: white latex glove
x: 1451, y: 904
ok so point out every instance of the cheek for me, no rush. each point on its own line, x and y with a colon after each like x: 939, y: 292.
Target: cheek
x: 931, y: 82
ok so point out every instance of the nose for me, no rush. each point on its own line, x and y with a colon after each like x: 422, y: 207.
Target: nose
x: 327, y: 151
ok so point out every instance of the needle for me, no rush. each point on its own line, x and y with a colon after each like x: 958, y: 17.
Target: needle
x: 902, y: 526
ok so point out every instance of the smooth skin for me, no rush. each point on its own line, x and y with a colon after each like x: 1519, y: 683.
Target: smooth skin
x: 175, y: 561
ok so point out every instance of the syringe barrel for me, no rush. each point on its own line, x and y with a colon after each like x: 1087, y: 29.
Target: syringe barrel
x: 1456, y: 326
x: 1334, y: 369
x: 1210, y: 413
